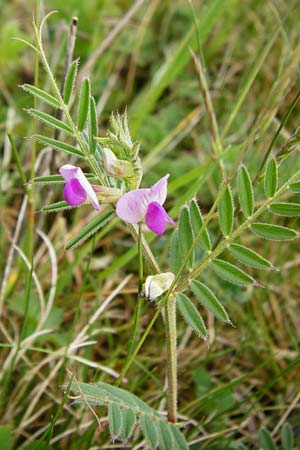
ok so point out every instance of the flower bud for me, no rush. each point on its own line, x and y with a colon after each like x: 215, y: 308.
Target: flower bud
x: 114, y: 166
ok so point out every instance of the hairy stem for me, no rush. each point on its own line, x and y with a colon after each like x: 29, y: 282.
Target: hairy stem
x: 138, y: 308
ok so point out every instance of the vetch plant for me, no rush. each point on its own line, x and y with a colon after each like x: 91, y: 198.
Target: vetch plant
x: 112, y: 185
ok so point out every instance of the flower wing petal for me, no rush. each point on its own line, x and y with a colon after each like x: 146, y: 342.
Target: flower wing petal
x: 159, y: 190
x: 132, y: 206
x: 88, y: 188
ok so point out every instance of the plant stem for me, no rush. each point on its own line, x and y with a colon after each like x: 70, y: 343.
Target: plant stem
x: 138, y: 308
x: 171, y: 338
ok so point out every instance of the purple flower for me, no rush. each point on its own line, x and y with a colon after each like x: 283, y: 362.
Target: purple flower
x: 146, y: 204
x: 77, y: 188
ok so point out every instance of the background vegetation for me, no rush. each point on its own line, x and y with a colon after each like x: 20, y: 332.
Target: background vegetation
x: 137, y: 56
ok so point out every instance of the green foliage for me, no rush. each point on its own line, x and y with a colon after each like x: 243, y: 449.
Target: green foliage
x: 84, y: 102
x: 287, y: 438
x: 273, y: 232
x: 208, y: 299
x: 163, y: 98
x: 286, y: 209
x: 185, y: 234
x: 198, y: 224
x: 6, y: 441
x: 249, y: 257
x: 51, y: 121
x: 191, y: 315
x: 231, y: 273
x: 125, y: 410
x: 41, y: 95
x: 266, y: 440
x: 70, y: 81
x: 226, y: 212
x: 59, y: 145
x: 90, y: 229
x: 245, y: 190
x: 271, y: 178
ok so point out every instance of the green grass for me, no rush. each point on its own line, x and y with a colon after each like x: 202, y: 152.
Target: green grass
x: 248, y: 375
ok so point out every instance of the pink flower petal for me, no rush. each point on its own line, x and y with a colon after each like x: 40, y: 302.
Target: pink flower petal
x: 88, y: 188
x: 156, y: 218
x: 158, y: 192
x: 68, y: 172
x: 74, y: 193
x: 132, y: 206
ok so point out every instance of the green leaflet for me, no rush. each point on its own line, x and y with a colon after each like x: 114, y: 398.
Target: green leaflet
x: 38, y: 444
x: 175, y: 253
x: 287, y: 438
x: 91, y: 228
x: 197, y: 224
x: 185, y: 234
x: 286, y: 209
x: 295, y: 187
x: 59, y: 145
x: 84, y: 101
x: 55, y: 179
x: 273, y: 232
x: 271, y: 178
x: 249, y: 257
x: 56, y: 207
x: 129, y: 421
x: 115, y: 420
x: 6, y: 438
x: 266, y: 440
x: 226, y: 212
x: 191, y: 315
x: 70, y: 81
x: 51, y: 121
x: 150, y: 430
x: 164, y: 436
x: 180, y: 442
x: 245, y: 191
x: 41, y: 95
x: 231, y: 273
x: 208, y: 299
x: 93, y: 125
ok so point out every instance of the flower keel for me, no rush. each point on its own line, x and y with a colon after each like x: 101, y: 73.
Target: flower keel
x: 156, y: 218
